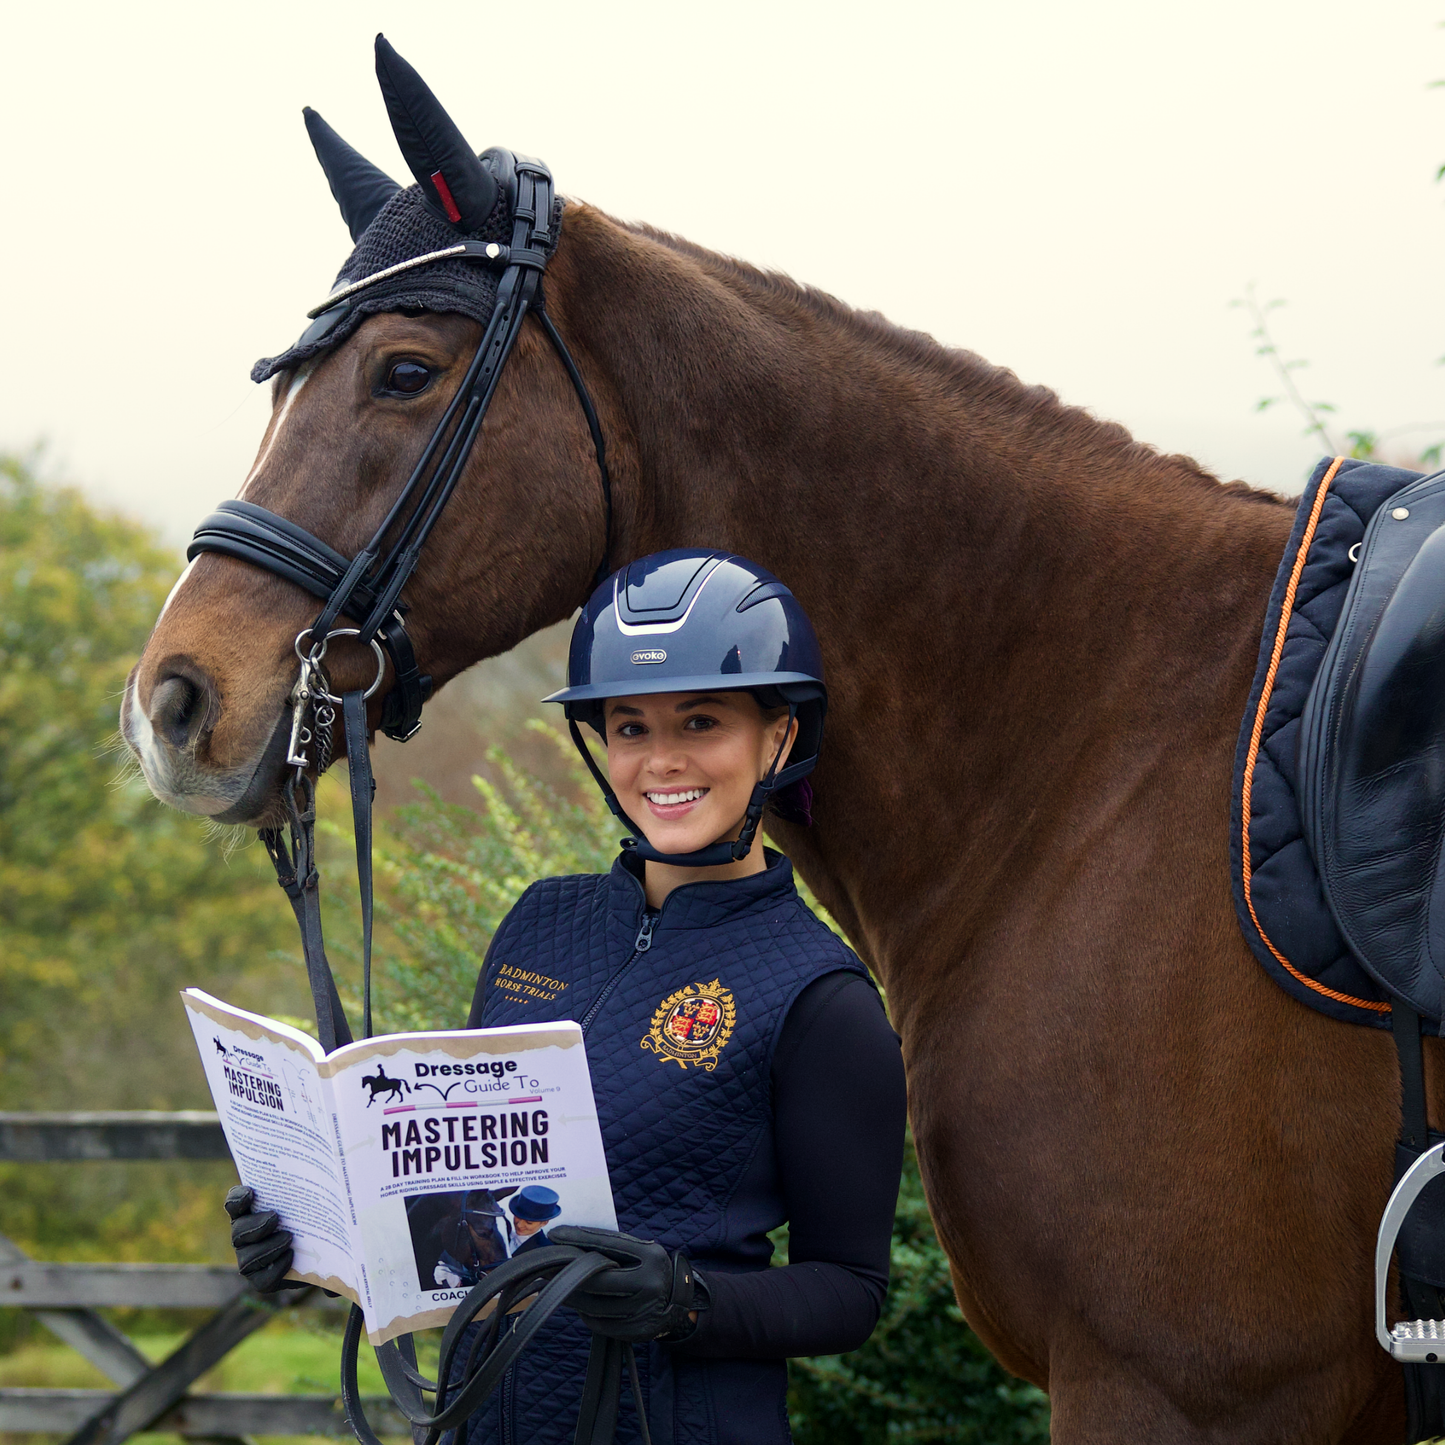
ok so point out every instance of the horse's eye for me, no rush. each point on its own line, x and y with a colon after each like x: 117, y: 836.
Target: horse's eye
x: 407, y: 378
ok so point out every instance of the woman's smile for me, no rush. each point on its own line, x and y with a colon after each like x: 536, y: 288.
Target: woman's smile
x: 674, y: 802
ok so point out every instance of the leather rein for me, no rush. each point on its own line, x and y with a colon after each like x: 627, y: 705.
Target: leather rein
x: 370, y: 586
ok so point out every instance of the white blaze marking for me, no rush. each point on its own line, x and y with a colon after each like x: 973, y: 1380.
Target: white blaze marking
x: 297, y: 382
x: 171, y: 595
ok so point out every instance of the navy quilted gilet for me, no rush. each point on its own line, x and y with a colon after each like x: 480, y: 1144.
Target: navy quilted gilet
x: 682, y: 1014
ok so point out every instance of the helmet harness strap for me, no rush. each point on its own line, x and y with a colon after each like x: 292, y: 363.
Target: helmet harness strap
x: 715, y: 855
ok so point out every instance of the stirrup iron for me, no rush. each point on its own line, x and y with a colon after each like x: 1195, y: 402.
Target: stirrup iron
x: 1419, y: 1342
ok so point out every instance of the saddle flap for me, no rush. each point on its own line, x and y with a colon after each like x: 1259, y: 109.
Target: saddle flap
x: 1372, y: 752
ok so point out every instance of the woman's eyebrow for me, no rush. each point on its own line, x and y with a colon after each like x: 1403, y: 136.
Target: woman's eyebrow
x: 630, y: 711
x: 688, y: 702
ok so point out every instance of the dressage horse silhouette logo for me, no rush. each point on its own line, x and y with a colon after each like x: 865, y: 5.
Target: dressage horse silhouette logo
x: 383, y: 1088
x: 220, y: 1047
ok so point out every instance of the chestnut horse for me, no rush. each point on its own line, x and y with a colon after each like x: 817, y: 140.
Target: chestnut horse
x: 1157, y: 1178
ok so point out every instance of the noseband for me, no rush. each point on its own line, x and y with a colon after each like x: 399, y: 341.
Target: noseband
x: 369, y: 585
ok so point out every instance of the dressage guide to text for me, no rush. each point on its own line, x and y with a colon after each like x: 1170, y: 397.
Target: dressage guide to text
x: 407, y: 1166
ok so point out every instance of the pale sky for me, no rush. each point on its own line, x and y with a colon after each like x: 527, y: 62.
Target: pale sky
x: 1081, y: 191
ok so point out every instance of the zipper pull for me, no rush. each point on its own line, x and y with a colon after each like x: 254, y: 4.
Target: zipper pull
x: 643, y: 941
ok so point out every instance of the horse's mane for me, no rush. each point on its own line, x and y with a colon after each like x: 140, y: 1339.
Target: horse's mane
x: 1037, y: 407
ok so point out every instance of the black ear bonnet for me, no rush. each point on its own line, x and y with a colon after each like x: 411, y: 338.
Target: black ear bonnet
x: 459, y: 196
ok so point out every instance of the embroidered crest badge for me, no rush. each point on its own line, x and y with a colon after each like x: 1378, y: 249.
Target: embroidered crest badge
x: 693, y: 1025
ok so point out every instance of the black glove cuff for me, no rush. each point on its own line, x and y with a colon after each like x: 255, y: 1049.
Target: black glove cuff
x: 698, y: 1304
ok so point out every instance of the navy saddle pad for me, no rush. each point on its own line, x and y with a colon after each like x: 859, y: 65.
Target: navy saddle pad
x: 1374, y: 794
x: 1372, y: 752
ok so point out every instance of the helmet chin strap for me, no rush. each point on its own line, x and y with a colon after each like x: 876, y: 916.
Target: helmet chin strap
x: 715, y: 855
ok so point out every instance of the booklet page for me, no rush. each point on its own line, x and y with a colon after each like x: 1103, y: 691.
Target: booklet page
x: 407, y: 1166
x: 281, y: 1131
x: 462, y: 1149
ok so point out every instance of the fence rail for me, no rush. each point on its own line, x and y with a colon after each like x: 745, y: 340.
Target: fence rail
x: 113, y: 1134
x: 64, y: 1298
x: 219, y: 1415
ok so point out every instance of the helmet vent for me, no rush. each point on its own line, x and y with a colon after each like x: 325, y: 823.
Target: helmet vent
x: 762, y: 592
x: 662, y: 590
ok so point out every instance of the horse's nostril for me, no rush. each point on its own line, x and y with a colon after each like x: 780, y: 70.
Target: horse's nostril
x: 178, y: 710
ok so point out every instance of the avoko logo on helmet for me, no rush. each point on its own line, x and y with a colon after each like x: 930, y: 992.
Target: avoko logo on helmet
x: 649, y: 654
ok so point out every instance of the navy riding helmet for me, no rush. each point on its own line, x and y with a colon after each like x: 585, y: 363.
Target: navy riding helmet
x: 697, y: 621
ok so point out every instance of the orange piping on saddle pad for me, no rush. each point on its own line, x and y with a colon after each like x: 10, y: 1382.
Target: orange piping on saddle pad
x: 1284, y: 616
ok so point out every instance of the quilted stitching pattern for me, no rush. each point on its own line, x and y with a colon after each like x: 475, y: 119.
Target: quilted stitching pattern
x: 677, y: 1140
x: 1285, y: 887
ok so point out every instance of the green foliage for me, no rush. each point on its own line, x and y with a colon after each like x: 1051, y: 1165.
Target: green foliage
x: 1364, y: 444
x: 923, y: 1375
x: 446, y: 877
x: 109, y: 903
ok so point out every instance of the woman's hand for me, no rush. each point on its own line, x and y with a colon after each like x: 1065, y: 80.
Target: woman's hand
x: 649, y: 1294
x: 263, y: 1248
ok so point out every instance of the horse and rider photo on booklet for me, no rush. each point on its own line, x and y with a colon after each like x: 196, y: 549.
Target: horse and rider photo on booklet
x: 408, y: 1165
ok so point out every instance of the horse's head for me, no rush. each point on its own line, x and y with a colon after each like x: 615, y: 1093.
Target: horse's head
x: 354, y: 405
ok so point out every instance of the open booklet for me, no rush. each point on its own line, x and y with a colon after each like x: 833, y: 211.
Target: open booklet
x: 406, y: 1166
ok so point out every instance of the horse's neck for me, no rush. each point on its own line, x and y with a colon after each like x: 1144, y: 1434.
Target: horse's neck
x: 1003, y: 586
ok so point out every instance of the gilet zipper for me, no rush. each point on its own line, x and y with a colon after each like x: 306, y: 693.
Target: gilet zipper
x: 640, y: 945
x: 508, y: 1408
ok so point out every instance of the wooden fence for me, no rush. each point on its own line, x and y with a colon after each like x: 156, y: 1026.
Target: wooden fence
x: 65, y: 1298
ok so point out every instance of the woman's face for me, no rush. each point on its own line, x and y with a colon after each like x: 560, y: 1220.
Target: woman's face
x: 683, y: 765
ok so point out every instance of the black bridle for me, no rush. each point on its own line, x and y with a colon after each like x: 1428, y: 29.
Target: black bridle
x: 369, y: 586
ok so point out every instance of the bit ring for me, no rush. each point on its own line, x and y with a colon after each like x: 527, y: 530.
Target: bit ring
x: 317, y: 653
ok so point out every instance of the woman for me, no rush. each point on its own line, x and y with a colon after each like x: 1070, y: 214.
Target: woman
x: 745, y: 1073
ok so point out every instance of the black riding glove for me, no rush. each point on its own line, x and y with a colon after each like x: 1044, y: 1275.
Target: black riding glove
x: 263, y: 1248
x: 648, y: 1294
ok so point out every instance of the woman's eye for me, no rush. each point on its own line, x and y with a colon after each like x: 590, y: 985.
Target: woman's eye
x: 630, y: 730
x: 700, y: 724
x: 407, y: 378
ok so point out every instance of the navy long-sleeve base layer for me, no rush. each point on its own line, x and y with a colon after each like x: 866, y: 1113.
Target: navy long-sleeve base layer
x: 838, y: 1116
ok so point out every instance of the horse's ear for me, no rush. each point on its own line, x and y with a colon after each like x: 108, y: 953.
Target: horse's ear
x: 454, y: 182
x: 361, y: 190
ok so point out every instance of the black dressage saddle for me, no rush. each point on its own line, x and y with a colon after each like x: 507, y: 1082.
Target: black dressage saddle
x: 1372, y: 803
x: 1372, y: 752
